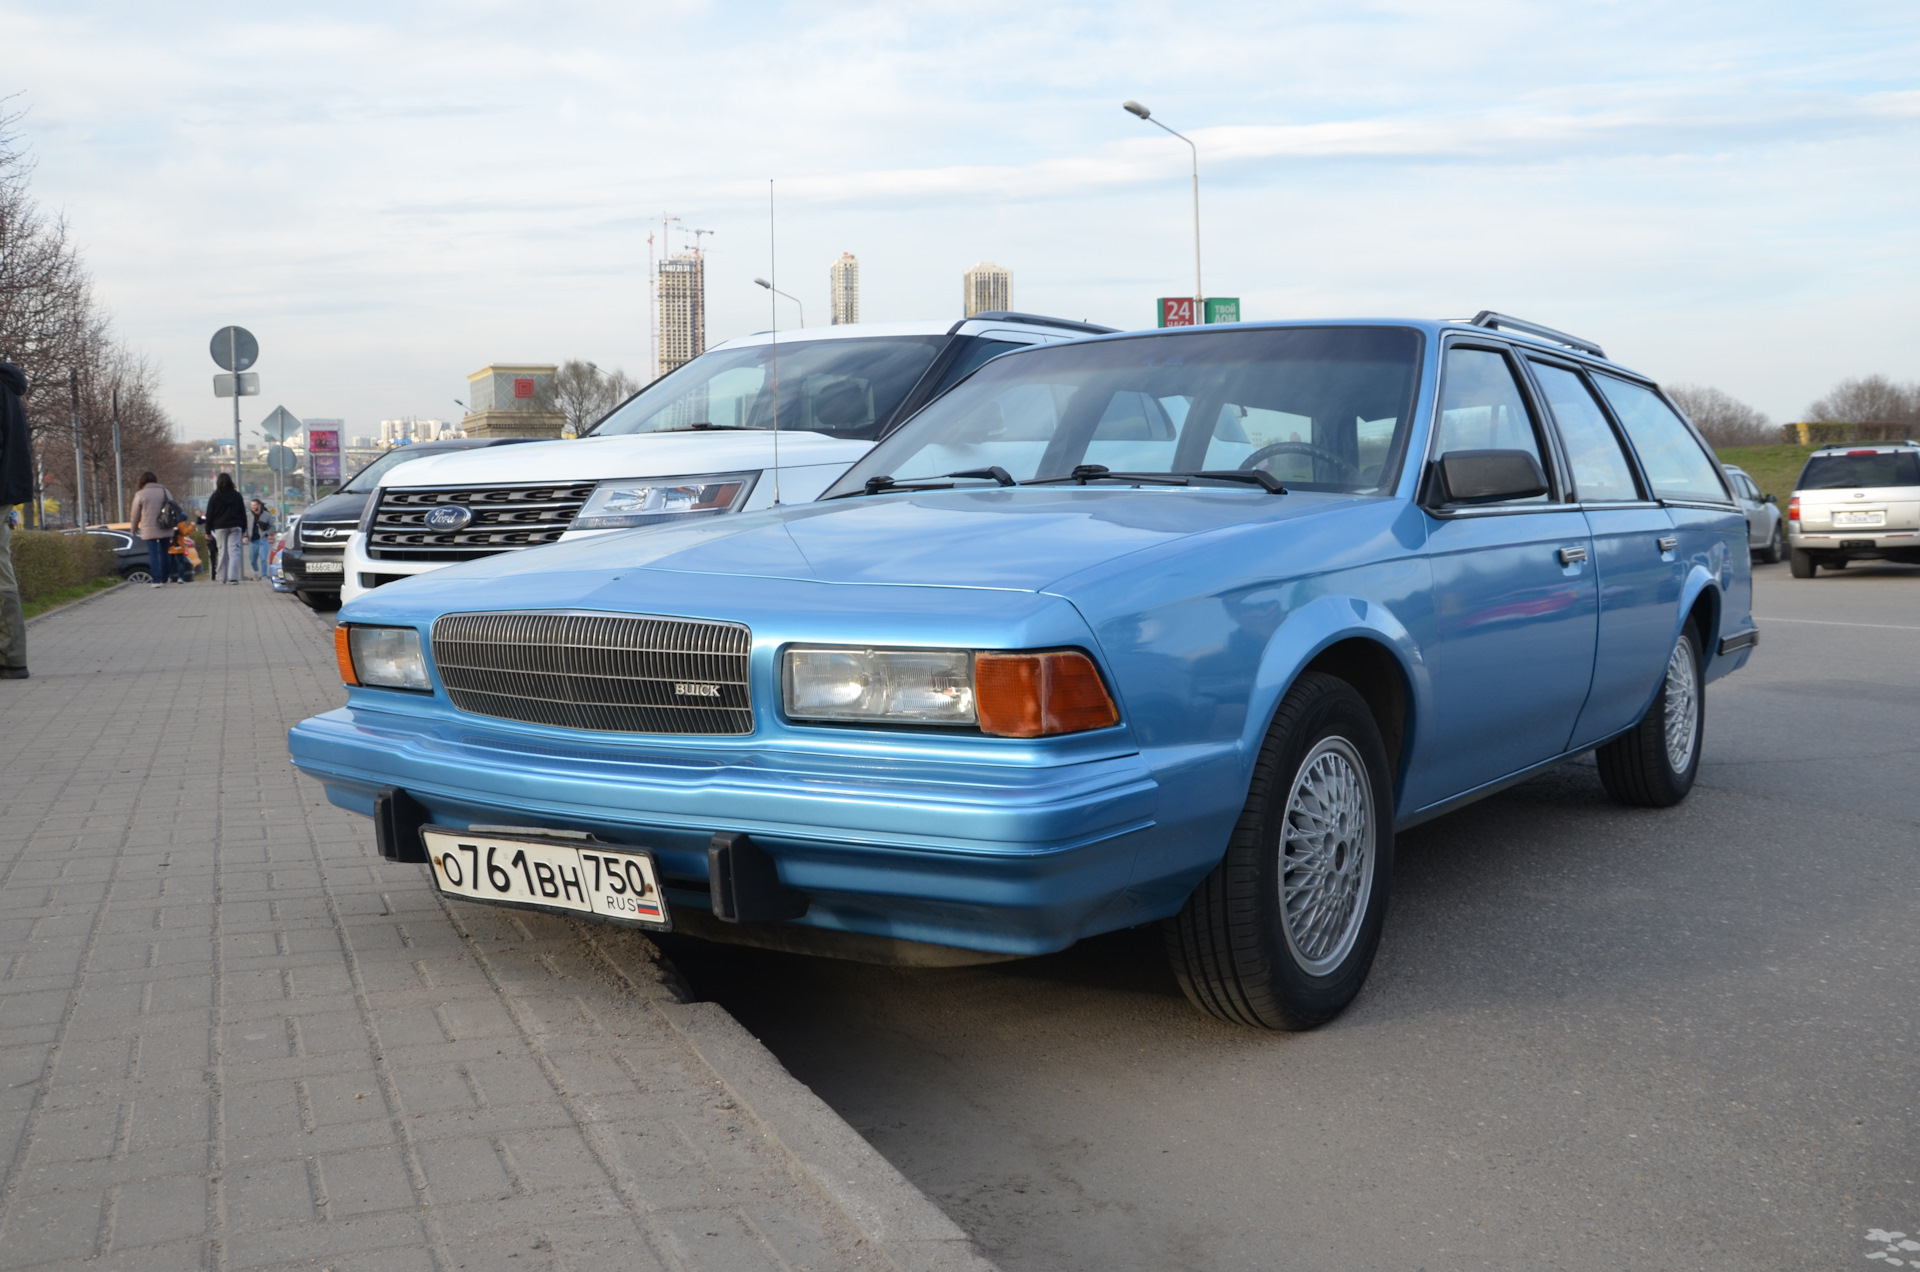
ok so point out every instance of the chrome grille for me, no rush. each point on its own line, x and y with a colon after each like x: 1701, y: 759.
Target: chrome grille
x: 614, y: 673
x: 325, y: 536
x: 505, y: 518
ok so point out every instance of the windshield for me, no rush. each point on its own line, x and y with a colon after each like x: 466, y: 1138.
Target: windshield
x: 1319, y: 408
x: 844, y: 388
x: 369, y: 477
x: 1870, y: 468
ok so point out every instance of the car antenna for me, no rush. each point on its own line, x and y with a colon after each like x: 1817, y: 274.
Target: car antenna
x: 773, y: 308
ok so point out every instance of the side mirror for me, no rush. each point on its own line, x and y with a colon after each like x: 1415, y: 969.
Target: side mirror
x: 1489, y: 476
x: 1770, y: 499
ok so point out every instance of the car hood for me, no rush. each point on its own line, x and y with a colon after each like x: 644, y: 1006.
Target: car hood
x: 344, y: 506
x: 627, y: 455
x: 1020, y: 540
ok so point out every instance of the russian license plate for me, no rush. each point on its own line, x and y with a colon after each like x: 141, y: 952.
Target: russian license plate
x: 572, y: 876
x: 326, y: 567
x: 1859, y: 518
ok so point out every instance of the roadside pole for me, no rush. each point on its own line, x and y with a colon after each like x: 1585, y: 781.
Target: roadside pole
x: 234, y: 350
x: 119, y: 478
x: 79, y: 464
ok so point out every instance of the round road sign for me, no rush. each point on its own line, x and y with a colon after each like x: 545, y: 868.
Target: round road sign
x: 235, y: 349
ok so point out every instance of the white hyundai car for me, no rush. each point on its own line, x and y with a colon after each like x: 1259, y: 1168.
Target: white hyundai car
x: 706, y: 439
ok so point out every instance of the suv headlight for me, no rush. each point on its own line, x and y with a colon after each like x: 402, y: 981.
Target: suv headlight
x: 1019, y: 695
x: 380, y: 657
x: 644, y: 500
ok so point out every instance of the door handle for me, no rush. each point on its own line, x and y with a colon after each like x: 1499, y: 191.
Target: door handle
x: 1668, y: 543
x: 1572, y: 556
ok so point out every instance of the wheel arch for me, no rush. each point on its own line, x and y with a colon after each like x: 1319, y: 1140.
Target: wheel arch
x: 1701, y: 605
x: 1364, y: 644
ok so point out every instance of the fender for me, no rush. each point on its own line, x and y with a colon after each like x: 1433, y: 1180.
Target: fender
x: 1700, y: 581
x: 1305, y: 635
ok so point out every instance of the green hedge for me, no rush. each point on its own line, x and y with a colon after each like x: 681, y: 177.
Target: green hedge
x: 46, y: 561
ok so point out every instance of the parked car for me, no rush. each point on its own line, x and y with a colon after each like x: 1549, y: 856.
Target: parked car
x: 276, y: 557
x: 129, y: 553
x: 311, y: 561
x: 702, y: 440
x: 1765, y: 537
x: 1178, y: 625
x: 1855, y: 503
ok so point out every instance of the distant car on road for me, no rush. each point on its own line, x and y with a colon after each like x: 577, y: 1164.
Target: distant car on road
x: 1178, y: 625
x: 1855, y: 503
x: 311, y: 561
x: 1765, y: 537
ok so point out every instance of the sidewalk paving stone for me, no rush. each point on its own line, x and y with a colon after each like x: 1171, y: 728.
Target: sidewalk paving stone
x: 232, y: 1037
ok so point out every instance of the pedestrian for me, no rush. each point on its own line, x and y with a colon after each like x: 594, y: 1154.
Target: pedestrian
x: 226, y: 527
x: 213, y: 544
x: 182, y: 559
x: 16, y: 487
x: 155, y: 516
x: 260, y: 531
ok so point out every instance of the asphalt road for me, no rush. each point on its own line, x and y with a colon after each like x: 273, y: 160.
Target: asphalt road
x: 1595, y: 1038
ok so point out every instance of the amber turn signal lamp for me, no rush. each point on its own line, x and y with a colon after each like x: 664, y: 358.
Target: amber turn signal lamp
x: 343, y: 653
x: 1035, y: 695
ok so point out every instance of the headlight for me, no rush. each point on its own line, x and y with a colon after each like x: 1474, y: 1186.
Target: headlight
x: 924, y: 686
x: 1019, y: 695
x: 380, y: 657
x: 645, y: 500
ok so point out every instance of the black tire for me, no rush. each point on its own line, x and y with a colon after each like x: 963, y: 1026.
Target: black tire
x: 1639, y: 767
x: 320, y: 602
x: 1775, y: 549
x: 1802, y: 564
x: 1232, y: 947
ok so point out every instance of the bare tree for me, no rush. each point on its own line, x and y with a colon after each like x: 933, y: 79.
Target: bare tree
x: 1723, y: 419
x: 1872, y: 399
x: 585, y: 393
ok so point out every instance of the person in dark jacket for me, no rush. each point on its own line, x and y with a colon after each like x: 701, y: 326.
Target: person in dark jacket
x: 16, y: 487
x: 226, y: 526
x: 260, y: 532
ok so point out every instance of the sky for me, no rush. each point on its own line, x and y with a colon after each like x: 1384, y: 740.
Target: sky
x: 392, y: 195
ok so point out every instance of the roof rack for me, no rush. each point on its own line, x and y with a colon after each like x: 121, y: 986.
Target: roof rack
x: 1037, y: 320
x: 1502, y: 322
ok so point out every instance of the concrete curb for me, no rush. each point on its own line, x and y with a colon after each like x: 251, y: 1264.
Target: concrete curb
x: 823, y: 1150
x: 85, y: 600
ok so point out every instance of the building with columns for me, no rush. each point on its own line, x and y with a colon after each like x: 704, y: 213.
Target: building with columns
x: 987, y: 287
x: 843, y: 281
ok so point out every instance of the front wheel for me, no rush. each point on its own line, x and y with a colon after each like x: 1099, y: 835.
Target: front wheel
x: 1775, y: 549
x: 1653, y: 764
x: 1282, y: 933
x: 1802, y: 564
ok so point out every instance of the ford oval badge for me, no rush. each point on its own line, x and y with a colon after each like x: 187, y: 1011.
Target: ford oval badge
x: 449, y: 517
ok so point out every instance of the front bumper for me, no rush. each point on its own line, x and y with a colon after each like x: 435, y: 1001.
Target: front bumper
x: 1008, y: 858
x: 296, y: 567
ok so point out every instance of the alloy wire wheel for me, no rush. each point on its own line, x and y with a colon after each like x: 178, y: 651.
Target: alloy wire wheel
x: 1326, y: 853
x: 1283, y: 931
x: 1653, y: 764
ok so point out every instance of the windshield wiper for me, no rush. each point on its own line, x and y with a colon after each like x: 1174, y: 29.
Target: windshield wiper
x: 876, y: 485
x: 1084, y: 473
x: 701, y: 426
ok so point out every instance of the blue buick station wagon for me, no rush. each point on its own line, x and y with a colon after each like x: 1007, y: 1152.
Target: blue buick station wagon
x: 1177, y: 626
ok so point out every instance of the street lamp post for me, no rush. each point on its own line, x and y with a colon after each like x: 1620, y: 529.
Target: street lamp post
x: 795, y: 299
x: 1135, y: 108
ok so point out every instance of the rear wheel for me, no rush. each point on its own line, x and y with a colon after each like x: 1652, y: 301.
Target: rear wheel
x: 1775, y: 549
x: 138, y: 576
x: 1653, y: 764
x: 1282, y: 933
x: 1802, y: 564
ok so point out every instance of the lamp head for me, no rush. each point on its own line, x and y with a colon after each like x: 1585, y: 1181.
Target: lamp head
x: 1136, y: 108
x: 764, y: 283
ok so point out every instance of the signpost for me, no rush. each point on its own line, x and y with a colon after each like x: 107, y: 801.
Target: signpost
x: 234, y: 349
x: 1178, y: 311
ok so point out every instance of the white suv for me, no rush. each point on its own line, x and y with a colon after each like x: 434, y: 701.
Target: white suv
x: 1856, y: 503
x: 699, y: 441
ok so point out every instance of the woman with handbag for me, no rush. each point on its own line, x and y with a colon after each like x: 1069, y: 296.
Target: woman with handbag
x: 149, y: 513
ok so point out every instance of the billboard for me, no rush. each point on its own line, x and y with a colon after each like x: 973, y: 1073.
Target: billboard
x: 323, y: 456
x: 1179, y: 311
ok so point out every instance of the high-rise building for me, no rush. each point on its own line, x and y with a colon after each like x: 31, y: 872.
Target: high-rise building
x: 683, y: 310
x: 843, y: 280
x: 988, y: 287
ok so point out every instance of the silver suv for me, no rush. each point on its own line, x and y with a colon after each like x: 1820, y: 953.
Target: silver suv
x: 1856, y: 503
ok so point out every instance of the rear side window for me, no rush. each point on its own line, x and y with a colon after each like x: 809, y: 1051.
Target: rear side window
x: 1848, y: 472
x: 1600, y: 468
x: 1675, y: 464
x: 1481, y: 408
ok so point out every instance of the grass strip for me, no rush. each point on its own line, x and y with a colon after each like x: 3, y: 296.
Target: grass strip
x: 67, y: 595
